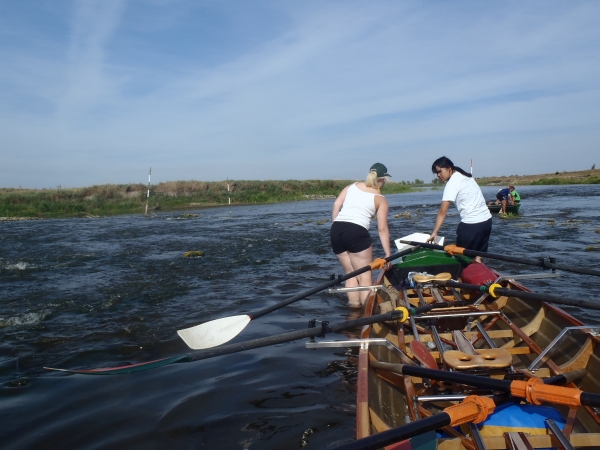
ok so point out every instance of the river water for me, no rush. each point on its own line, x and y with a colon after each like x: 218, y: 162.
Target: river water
x: 80, y: 293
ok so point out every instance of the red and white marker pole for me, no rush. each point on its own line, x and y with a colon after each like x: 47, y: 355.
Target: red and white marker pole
x: 148, y: 195
x: 229, y: 195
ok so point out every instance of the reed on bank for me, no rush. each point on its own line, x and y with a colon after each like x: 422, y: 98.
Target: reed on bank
x: 110, y: 199
x: 555, y: 181
x: 591, y: 176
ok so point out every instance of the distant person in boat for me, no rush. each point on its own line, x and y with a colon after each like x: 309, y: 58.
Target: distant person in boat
x: 514, y: 194
x: 473, y: 232
x: 503, y: 196
x: 353, y: 211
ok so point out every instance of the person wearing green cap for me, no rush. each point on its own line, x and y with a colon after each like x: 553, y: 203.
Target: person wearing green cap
x: 351, y: 242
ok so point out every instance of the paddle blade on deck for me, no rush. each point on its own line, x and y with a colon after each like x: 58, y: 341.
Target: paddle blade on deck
x: 215, y: 332
x: 423, y: 354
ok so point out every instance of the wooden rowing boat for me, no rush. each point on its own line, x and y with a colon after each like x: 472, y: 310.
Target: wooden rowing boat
x: 513, y: 209
x: 499, y: 338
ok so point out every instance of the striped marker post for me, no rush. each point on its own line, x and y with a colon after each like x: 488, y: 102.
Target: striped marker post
x: 229, y: 196
x: 148, y: 195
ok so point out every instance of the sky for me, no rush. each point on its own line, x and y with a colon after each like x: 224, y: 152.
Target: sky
x: 98, y: 91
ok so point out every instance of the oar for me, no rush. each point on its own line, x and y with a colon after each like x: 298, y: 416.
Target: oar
x: 453, y: 249
x: 534, y: 390
x: 463, y: 414
x: 400, y: 314
x: 218, y: 331
x: 473, y: 409
x: 495, y: 290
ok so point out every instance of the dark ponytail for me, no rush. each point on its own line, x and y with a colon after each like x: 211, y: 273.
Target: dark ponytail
x: 445, y: 163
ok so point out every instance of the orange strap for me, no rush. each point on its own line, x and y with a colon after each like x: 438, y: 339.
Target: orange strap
x: 454, y: 250
x: 472, y: 409
x: 536, y: 392
x: 378, y: 263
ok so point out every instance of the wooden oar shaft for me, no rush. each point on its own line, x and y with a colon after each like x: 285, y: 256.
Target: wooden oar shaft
x: 532, y: 262
x: 324, y: 286
x: 524, y: 295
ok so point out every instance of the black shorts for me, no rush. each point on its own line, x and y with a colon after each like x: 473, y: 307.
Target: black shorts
x: 349, y: 237
x: 474, y: 236
x: 501, y: 197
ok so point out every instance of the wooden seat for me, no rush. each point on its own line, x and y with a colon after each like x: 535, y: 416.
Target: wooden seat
x: 493, y: 358
x: 517, y: 441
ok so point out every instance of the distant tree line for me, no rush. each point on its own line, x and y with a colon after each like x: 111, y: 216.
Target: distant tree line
x: 417, y: 182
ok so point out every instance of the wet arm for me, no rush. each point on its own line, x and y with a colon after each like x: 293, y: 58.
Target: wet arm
x: 382, y: 224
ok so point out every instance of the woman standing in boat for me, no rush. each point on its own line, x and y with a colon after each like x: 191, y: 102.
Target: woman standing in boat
x: 353, y: 211
x: 475, y: 225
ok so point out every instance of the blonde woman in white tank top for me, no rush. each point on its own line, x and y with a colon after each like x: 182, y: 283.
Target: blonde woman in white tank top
x: 353, y: 211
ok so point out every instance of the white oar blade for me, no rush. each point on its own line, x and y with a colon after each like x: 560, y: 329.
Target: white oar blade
x: 213, y: 333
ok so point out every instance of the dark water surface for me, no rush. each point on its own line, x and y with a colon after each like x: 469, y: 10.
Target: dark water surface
x: 81, y: 293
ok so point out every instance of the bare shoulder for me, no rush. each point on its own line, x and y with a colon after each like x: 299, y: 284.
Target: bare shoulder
x: 380, y: 200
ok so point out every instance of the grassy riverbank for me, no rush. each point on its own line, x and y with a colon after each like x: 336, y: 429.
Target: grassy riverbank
x: 591, y: 176
x: 113, y: 199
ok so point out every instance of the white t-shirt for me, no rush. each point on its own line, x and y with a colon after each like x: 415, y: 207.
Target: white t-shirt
x: 466, y: 194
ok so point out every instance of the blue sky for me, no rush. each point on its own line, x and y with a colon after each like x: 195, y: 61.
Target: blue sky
x: 98, y: 91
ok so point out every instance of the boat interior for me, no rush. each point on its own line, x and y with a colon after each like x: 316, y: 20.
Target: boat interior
x: 504, y: 338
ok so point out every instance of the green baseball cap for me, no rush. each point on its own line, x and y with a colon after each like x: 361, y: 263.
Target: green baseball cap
x: 380, y: 169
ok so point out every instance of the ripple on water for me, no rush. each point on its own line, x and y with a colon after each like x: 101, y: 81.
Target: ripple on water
x: 30, y: 318
x: 21, y: 265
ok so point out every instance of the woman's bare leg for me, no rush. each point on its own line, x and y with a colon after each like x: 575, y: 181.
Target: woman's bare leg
x: 351, y: 262
x: 353, y: 297
x: 359, y: 260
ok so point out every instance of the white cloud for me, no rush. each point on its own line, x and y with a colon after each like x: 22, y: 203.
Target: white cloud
x: 300, y: 90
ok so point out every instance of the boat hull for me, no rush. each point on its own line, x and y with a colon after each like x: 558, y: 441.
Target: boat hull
x: 521, y: 329
x: 510, y: 209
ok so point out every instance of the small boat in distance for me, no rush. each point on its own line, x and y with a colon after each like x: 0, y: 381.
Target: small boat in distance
x: 496, y: 208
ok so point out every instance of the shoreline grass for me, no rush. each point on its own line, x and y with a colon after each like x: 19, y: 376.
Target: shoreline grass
x: 491, y: 181
x: 591, y: 176
x: 113, y: 199
x: 557, y: 181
